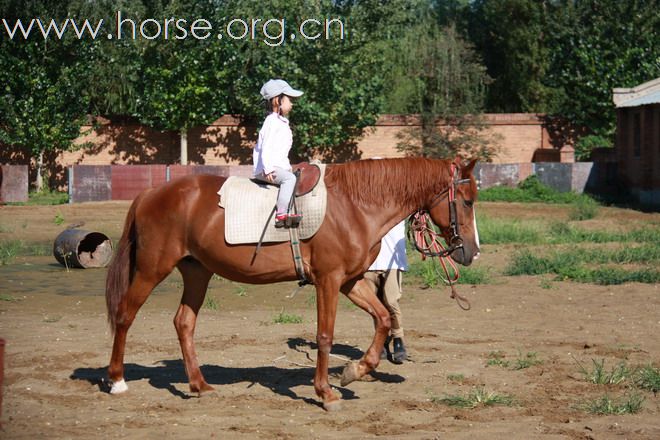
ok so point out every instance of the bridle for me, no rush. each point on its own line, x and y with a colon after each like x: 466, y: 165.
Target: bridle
x: 428, y: 242
x: 426, y: 239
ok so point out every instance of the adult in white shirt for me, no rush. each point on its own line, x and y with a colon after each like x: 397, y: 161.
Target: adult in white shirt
x: 385, y: 277
x: 271, y: 154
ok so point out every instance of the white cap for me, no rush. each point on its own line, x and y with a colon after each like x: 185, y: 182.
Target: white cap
x: 277, y: 87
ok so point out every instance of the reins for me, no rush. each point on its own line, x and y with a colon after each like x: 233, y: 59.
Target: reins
x: 428, y: 242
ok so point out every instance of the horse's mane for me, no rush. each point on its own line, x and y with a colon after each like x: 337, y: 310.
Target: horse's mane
x: 410, y: 180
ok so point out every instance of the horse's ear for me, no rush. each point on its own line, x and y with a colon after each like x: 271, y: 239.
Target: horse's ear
x: 467, y: 170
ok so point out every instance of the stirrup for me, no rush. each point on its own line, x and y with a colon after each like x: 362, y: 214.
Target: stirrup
x: 293, y: 220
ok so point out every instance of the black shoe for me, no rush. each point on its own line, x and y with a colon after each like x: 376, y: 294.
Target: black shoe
x: 385, y: 354
x: 399, y: 355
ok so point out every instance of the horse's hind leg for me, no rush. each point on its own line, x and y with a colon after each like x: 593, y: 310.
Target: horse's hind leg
x: 365, y: 298
x: 137, y: 293
x: 195, y: 282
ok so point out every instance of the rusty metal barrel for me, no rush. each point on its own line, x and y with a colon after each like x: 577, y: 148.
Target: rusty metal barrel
x: 84, y: 249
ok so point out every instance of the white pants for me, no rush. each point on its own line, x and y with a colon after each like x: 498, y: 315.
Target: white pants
x: 286, y: 180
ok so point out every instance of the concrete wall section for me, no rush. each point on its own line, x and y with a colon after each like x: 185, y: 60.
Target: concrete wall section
x: 89, y: 183
x: 98, y: 183
x: 13, y: 183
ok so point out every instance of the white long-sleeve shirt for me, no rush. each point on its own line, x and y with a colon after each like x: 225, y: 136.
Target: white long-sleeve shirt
x: 273, y: 145
x: 392, y: 253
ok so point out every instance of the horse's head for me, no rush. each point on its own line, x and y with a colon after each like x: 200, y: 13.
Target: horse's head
x: 453, y: 211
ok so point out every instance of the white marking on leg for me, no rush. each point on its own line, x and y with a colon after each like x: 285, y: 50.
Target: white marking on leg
x: 119, y: 387
x: 476, y: 234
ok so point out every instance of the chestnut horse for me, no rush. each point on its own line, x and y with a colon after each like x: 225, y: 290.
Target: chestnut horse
x: 180, y: 225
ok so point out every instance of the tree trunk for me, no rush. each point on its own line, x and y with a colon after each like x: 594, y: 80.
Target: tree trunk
x: 40, y: 166
x: 184, y: 146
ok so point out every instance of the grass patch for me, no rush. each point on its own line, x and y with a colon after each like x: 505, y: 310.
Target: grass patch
x: 286, y: 318
x: 9, y: 298
x: 528, y: 360
x: 240, y: 290
x: 47, y: 197
x: 610, y: 276
x: 474, y: 275
x: 9, y: 250
x: 456, y: 378
x: 529, y: 190
x: 629, y: 404
x: 571, y: 265
x: 210, y: 303
x: 58, y: 219
x: 503, y: 231
x: 584, y: 208
x: 647, y: 378
x: 476, y: 397
x: 496, y: 358
x: 431, y: 274
x: 599, y: 375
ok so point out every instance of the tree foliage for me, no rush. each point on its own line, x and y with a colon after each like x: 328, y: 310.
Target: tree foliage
x: 564, y: 57
x: 41, y: 104
x: 436, y: 74
x: 510, y: 35
x: 595, y: 46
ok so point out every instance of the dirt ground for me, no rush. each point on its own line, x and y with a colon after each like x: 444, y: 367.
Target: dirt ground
x: 58, y: 347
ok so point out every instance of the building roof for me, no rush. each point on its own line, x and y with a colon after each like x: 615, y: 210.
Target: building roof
x: 643, y: 94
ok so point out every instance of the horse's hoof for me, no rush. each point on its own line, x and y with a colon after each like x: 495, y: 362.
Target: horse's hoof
x: 350, y: 374
x: 119, y: 387
x: 334, y: 405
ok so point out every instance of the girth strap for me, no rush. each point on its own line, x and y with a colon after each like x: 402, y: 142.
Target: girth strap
x: 297, y: 257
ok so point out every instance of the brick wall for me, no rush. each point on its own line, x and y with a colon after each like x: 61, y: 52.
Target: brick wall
x: 228, y: 141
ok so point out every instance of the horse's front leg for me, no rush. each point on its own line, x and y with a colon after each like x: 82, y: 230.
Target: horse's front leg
x: 327, y: 295
x: 364, y: 297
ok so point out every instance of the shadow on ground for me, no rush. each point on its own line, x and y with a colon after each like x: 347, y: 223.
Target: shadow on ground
x: 165, y: 373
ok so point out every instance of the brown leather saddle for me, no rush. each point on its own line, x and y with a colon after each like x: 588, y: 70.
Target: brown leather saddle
x: 308, y: 177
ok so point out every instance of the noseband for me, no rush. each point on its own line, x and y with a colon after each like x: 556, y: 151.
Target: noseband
x: 421, y: 225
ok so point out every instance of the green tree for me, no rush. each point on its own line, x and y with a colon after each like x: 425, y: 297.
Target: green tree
x: 510, y: 35
x: 436, y: 74
x: 183, y: 78
x: 597, y: 45
x: 341, y: 75
x: 42, y: 107
x: 112, y: 77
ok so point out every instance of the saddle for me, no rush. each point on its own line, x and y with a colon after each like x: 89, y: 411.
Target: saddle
x: 248, y: 204
x: 308, y: 177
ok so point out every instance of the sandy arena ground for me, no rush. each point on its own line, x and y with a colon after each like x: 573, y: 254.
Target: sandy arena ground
x: 58, y: 347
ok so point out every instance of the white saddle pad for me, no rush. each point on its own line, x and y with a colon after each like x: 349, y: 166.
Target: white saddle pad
x: 248, y: 204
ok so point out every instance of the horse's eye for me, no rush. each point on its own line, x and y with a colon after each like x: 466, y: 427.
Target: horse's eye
x: 468, y: 203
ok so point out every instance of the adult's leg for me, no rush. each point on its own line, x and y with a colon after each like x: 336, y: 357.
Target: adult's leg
x: 391, y: 296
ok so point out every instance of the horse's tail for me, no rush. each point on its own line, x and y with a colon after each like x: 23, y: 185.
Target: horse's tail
x: 121, y: 268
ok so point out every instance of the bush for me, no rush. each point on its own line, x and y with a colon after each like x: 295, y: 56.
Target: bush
x: 585, y: 144
x: 529, y: 190
x: 584, y: 208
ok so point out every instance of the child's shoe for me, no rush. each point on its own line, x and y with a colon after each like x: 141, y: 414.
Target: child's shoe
x: 280, y: 220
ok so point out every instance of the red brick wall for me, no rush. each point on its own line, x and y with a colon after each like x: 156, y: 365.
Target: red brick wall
x: 228, y: 141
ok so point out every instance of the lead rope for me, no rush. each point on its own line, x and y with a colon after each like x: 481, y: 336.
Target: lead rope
x: 429, y: 243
